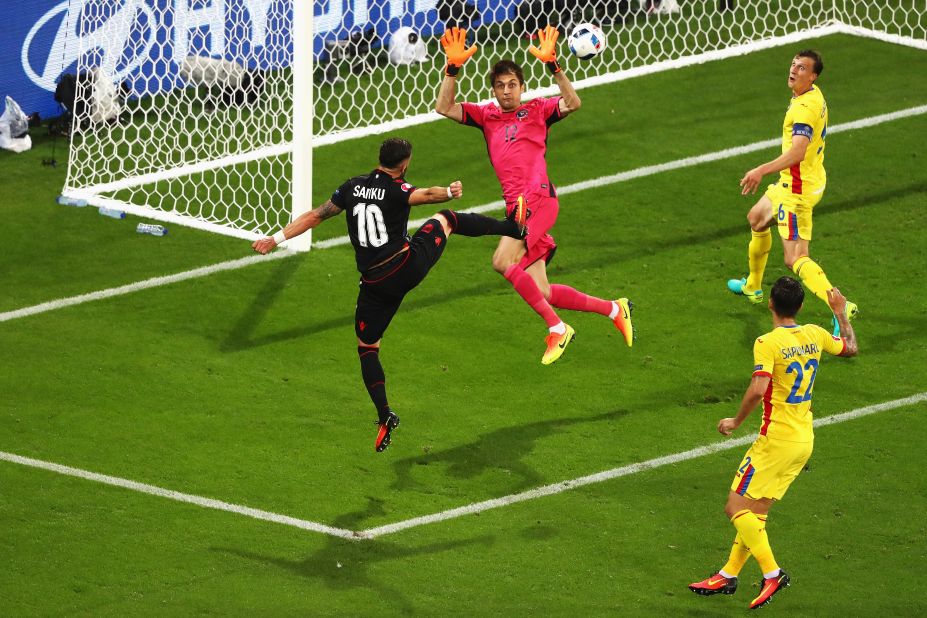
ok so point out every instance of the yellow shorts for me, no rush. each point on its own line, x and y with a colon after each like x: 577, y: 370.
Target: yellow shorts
x: 791, y: 211
x: 769, y: 467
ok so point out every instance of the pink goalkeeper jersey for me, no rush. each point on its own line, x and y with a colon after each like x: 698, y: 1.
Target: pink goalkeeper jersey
x: 517, y: 144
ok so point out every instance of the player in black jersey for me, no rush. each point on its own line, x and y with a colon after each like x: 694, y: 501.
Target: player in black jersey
x: 390, y: 261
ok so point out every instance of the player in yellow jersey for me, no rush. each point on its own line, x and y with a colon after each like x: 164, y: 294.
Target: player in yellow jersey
x: 790, y: 201
x: 785, y: 367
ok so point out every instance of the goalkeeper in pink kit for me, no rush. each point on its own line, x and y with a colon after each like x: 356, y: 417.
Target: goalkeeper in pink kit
x: 516, y: 137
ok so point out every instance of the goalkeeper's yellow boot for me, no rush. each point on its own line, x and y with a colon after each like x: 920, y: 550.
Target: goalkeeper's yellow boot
x: 622, y: 321
x: 737, y: 287
x: 556, y: 344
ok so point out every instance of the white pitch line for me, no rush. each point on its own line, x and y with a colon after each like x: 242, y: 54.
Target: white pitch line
x: 470, y: 509
x: 602, y: 181
x: 556, y: 488
x: 208, y: 503
x: 142, y: 285
x: 651, y: 170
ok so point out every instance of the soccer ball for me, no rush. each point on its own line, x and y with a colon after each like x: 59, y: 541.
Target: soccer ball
x: 587, y: 41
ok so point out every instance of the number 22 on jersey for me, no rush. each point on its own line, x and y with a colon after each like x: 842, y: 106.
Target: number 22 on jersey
x: 795, y: 396
x: 371, y: 229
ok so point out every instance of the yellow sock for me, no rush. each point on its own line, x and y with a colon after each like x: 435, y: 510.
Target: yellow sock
x: 753, y: 532
x: 740, y: 553
x: 757, y: 254
x: 812, y: 276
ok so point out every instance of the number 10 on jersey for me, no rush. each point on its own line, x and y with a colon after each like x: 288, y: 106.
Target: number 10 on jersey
x: 371, y: 230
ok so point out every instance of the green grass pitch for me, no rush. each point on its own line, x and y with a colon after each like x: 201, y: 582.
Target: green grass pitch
x: 244, y: 386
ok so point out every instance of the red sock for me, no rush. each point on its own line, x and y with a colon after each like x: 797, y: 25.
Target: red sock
x: 528, y: 289
x: 565, y: 297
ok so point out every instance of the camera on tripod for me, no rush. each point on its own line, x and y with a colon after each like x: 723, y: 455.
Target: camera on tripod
x: 356, y: 49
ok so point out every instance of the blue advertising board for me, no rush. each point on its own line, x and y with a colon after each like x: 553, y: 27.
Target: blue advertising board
x: 142, y: 41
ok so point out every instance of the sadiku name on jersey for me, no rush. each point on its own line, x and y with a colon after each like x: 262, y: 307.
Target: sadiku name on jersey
x: 369, y: 193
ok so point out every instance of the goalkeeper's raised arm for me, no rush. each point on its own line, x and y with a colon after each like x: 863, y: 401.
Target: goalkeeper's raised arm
x: 455, y: 47
x: 547, y: 53
x: 516, y: 135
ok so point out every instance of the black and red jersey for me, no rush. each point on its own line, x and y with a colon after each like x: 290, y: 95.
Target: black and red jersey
x: 377, y: 209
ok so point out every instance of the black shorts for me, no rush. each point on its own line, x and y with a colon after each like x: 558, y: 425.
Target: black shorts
x: 382, y: 288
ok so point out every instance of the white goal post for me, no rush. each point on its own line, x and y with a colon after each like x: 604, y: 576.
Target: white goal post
x: 207, y: 120
x: 204, y: 112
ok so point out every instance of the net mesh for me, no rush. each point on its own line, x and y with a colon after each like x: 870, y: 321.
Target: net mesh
x: 349, y: 84
x: 204, y: 126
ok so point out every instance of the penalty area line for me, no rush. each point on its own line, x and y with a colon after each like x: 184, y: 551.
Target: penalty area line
x: 594, y: 183
x: 470, y: 509
x: 154, y: 282
x: 651, y: 170
x: 153, y: 490
x: 643, y: 466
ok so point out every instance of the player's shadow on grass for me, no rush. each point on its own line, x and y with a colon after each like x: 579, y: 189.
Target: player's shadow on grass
x: 754, y: 323
x: 502, y: 449
x: 342, y: 564
x: 608, y: 249
x: 607, y: 252
x: 897, y: 332
x: 240, y: 334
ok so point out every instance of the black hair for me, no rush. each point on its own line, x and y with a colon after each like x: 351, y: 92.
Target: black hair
x: 393, y: 151
x: 814, y: 55
x: 787, y: 296
x: 505, y: 66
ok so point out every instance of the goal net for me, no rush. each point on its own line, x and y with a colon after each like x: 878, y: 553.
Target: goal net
x: 184, y: 111
x: 202, y: 112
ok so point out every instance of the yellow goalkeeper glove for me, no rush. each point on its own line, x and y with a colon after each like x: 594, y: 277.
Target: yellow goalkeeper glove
x: 547, y: 53
x: 455, y: 47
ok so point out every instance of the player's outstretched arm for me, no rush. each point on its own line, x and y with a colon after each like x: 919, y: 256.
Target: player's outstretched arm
x: 436, y: 195
x: 447, y: 104
x: 754, y: 394
x: 569, y: 99
x: 300, y: 225
x: 547, y: 53
x: 838, y: 304
x: 455, y: 47
x: 793, y: 156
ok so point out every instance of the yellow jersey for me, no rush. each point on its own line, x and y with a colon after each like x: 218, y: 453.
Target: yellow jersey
x: 790, y: 355
x: 807, y: 116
